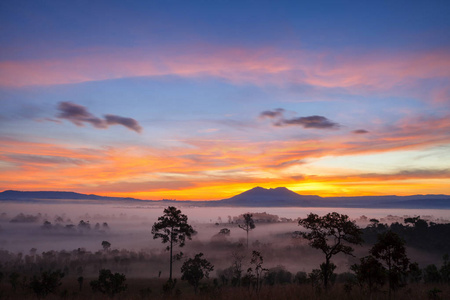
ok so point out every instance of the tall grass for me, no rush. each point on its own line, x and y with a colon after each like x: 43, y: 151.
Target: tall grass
x: 140, y: 289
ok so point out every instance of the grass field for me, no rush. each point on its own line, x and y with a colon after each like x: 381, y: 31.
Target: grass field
x: 153, y: 289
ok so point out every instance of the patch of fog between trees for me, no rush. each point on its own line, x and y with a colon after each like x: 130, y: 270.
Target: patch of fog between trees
x: 129, y: 228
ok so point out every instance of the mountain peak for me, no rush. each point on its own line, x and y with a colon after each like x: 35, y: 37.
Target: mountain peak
x: 280, y: 196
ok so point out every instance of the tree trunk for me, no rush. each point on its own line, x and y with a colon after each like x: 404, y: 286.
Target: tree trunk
x: 389, y: 274
x: 390, y: 281
x: 325, y: 273
x: 171, y: 246
x: 247, y: 237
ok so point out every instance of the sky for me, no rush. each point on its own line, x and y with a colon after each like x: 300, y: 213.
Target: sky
x: 202, y: 100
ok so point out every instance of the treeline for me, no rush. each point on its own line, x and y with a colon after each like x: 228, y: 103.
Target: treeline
x: 416, y: 233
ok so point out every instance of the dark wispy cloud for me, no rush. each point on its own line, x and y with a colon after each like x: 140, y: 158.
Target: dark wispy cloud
x: 360, y: 131
x: 317, y: 122
x: 43, y: 159
x: 272, y: 114
x: 79, y: 115
x: 127, y: 122
x: 286, y: 164
x: 399, y: 175
x: 424, y: 173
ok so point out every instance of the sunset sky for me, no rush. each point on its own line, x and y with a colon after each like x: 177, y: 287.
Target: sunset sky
x: 206, y: 99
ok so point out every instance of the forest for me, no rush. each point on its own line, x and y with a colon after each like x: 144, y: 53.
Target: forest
x: 325, y: 257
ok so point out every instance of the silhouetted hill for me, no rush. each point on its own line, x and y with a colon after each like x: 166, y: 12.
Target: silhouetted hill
x: 259, y: 196
x: 390, y: 201
x: 256, y: 197
x: 34, y: 196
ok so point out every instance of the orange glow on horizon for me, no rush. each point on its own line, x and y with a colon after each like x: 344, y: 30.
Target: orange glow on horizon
x: 328, y: 189
x: 224, y: 169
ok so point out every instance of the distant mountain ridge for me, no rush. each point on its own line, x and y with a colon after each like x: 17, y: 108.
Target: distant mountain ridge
x: 255, y: 197
x: 53, y: 195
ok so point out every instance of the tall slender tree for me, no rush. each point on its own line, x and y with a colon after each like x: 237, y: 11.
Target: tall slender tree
x: 248, y: 225
x: 331, y: 233
x: 172, y: 228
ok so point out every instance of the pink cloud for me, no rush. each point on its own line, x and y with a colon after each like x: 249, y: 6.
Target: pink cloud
x: 364, y: 73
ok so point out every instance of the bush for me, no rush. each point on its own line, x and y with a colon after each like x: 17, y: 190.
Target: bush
x: 278, y: 275
x: 46, y: 283
x: 109, y: 283
x: 301, y: 277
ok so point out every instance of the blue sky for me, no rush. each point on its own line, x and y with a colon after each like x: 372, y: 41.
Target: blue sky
x: 204, y: 99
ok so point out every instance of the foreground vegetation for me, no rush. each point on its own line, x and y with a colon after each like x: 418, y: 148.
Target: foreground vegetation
x: 153, y: 289
x: 383, y: 271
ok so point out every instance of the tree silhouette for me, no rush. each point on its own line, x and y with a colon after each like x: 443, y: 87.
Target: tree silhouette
x: 390, y: 249
x: 172, y: 228
x: 106, y: 245
x: 80, y: 281
x: 248, y: 225
x: 330, y: 233
x: 445, y: 269
x: 418, y: 223
x: 109, y: 283
x: 369, y: 272
x: 46, y: 283
x: 257, y: 261
x: 224, y: 232
x: 236, y: 267
x: 14, y: 280
x: 195, y: 269
x: 221, y: 236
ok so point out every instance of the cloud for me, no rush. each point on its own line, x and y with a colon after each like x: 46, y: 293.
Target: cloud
x: 423, y: 173
x: 399, y: 175
x: 79, y: 115
x: 277, y: 113
x: 404, y: 73
x: 286, y: 164
x: 317, y: 122
x: 360, y: 131
x: 127, y: 122
x: 43, y: 159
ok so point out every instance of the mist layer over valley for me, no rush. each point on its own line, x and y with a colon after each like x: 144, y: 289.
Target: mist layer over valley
x: 68, y: 227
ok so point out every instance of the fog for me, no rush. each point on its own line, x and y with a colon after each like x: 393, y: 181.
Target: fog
x: 129, y: 227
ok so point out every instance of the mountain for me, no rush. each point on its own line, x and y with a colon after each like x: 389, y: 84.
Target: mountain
x: 389, y: 201
x: 53, y: 196
x: 256, y: 197
x: 277, y: 197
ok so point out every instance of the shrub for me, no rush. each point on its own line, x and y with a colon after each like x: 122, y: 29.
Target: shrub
x: 109, y: 283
